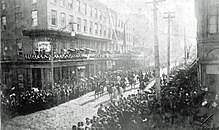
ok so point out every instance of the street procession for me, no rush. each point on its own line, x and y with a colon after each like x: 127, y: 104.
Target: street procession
x: 109, y: 64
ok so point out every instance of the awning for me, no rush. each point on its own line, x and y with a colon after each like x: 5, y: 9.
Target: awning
x: 46, y: 33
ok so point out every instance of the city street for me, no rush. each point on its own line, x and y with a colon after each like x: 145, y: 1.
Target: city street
x: 64, y: 115
x: 64, y: 61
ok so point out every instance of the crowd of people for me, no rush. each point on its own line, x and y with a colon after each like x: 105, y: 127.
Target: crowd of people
x: 21, y: 103
x: 124, y: 113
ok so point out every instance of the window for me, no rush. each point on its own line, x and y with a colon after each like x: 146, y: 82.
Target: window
x: 78, y: 4
x: 3, y: 22
x: 119, y: 23
x: 33, y: 1
x: 96, y: 13
x: 19, y: 48
x: 100, y: 15
x: 78, y: 24
x: 85, y: 8
x: 90, y: 10
x: 101, y: 29
x: 63, y: 20
x: 54, y: 17
x: 96, y: 29
x: 91, y: 27
x: 109, y: 33
x: 70, y: 4
x: 62, y: 3
x: 104, y: 17
x: 16, y: 3
x: 213, y: 20
x: 71, y: 20
x: 54, y: 1
x: 3, y: 4
x: 34, y: 18
x: 104, y: 31
x: 17, y: 18
x: 85, y: 25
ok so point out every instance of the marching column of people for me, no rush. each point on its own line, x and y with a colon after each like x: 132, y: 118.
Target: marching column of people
x: 123, y: 113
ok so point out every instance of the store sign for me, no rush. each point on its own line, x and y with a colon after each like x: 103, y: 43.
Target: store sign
x: 81, y: 67
x: 44, y: 46
x: 212, y: 69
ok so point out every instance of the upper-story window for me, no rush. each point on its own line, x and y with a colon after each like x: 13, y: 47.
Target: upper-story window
x: 63, y: 20
x: 109, y: 32
x: 17, y: 18
x: 84, y: 8
x: 213, y: 18
x: 34, y: 18
x: 3, y: 22
x: 54, y: 1
x: 71, y: 20
x: 101, y: 30
x: 90, y: 11
x: 104, y: 31
x: 33, y: 1
x: 62, y: 3
x: 78, y: 24
x: 16, y: 3
x: 96, y: 14
x: 96, y: 28
x: 100, y: 15
x: 70, y: 4
x: 78, y: 5
x: 3, y: 4
x: 85, y: 25
x: 118, y: 23
x: 104, y: 17
x: 91, y: 27
x: 54, y: 17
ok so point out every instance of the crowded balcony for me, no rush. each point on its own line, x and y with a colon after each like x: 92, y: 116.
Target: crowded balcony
x: 70, y: 54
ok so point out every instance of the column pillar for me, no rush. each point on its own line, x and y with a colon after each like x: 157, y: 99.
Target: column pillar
x: 69, y: 74
x: 60, y: 73
x: 42, y: 78
x: 31, y: 77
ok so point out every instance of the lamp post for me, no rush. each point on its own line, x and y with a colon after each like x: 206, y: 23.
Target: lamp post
x: 52, y: 53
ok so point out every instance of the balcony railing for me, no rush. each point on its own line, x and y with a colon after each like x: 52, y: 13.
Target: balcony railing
x: 34, y: 57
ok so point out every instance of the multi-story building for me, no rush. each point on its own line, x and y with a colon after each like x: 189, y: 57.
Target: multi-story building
x: 34, y: 30
x: 207, y: 14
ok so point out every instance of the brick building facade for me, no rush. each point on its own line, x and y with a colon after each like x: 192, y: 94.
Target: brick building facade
x: 67, y: 24
x: 207, y: 14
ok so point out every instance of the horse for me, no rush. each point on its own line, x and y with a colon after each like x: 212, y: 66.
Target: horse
x: 117, y: 92
x: 131, y: 80
x: 110, y: 91
x: 98, y: 91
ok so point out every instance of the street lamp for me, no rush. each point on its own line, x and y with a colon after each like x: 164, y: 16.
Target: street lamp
x: 52, y: 53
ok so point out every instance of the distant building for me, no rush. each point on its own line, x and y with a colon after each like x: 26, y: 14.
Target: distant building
x: 29, y: 27
x: 207, y: 14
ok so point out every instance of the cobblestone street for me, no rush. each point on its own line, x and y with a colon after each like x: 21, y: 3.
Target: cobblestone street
x: 64, y: 115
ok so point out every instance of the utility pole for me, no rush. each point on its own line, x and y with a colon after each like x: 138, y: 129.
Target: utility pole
x: 185, y: 47
x: 168, y: 45
x: 156, y: 50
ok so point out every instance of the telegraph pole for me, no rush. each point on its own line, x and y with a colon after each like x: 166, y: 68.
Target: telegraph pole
x: 185, y: 47
x: 156, y: 50
x: 156, y: 53
x: 168, y: 45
